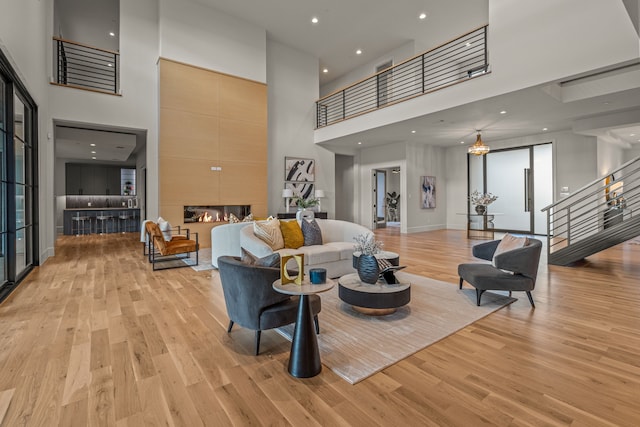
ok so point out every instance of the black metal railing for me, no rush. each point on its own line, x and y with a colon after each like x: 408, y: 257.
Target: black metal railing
x: 450, y: 63
x: 602, y: 204
x: 81, y: 66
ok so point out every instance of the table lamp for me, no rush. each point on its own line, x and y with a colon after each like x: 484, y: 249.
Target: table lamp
x: 319, y: 195
x: 287, y: 193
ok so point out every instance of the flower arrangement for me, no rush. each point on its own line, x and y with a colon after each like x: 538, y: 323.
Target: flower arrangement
x: 367, y: 244
x: 303, y: 203
x: 482, y: 199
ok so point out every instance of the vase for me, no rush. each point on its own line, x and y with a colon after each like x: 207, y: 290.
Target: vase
x: 368, y: 268
x: 481, y: 209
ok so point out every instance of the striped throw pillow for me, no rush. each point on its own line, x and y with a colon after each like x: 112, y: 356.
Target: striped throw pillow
x: 269, y: 232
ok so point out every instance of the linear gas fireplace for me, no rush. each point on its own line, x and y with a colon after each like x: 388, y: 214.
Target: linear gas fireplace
x: 214, y: 213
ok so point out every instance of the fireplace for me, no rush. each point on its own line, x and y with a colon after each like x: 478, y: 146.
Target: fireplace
x: 214, y: 213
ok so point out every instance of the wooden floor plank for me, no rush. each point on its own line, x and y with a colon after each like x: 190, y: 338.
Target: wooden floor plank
x: 95, y: 337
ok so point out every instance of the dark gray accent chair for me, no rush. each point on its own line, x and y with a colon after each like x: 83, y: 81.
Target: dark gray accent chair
x: 523, y: 262
x: 253, y: 303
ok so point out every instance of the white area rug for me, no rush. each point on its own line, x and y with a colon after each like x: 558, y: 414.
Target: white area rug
x: 355, y: 346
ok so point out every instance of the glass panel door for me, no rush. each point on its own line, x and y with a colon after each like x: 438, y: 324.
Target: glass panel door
x: 3, y: 183
x: 380, y: 201
x: 508, y: 175
x: 542, y: 185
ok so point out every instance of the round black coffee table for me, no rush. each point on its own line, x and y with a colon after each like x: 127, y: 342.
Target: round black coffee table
x: 378, y: 299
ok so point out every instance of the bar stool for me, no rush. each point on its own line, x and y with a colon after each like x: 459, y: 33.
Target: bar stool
x: 123, y: 222
x: 103, y: 221
x: 78, y: 224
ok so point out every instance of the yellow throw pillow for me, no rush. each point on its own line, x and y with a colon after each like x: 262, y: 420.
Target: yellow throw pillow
x: 292, y: 234
x: 269, y: 232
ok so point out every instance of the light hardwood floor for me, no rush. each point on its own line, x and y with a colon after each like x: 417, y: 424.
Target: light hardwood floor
x: 94, y: 337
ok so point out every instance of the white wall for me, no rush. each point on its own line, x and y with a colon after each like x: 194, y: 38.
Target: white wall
x: 610, y: 156
x: 345, y: 187
x: 424, y: 160
x: 199, y: 35
x: 292, y: 78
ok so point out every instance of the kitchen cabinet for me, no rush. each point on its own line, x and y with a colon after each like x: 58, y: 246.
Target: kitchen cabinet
x: 83, y: 179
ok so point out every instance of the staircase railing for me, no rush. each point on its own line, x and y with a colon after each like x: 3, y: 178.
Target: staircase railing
x: 447, y: 64
x: 86, y: 67
x: 601, y: 204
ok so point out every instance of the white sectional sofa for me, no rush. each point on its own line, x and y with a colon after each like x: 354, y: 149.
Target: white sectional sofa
x: 335, y: 254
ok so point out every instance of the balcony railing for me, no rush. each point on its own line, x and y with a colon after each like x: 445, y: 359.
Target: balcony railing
x: 86, y: 67
x: 450, y: 63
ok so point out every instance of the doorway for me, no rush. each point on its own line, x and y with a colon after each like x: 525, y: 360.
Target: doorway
x: 522, y: 178
x: 379, y: 198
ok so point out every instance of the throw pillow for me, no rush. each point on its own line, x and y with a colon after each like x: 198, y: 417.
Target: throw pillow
x: 269, y: 232
x: 291, y: 234
x: 248, y: 218
x: 272, y: 260
x: 165, y: 227
x: 233, y: 219
x: 509, y: 243
x: 311, y: 233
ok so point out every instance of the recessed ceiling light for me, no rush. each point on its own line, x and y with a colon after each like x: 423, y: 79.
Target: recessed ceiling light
x: 413, y: 131
x: 359, y: 142
x: 632, y: 134
x: 503, y: 112
x: 423, y: 15
x: 461, y: 142
x: 93, y: 152
x: 359, y: 52
x: 324, y: 70
x: 544, y: 129
x: 92, y: 144
x: 94, y: 157
x: 112, y: 34
x: 314, y: 20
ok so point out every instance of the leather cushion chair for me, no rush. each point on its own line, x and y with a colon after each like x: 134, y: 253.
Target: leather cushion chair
x: 514, y: 270
x: 251, y: 300
x: 159, y: 246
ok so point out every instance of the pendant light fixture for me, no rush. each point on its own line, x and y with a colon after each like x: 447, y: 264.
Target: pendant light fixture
x: 479, y: 148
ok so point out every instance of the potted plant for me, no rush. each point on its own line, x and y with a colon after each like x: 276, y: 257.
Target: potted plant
x: 305, y: 203
x: 367, y: 264
x: 481, y: 201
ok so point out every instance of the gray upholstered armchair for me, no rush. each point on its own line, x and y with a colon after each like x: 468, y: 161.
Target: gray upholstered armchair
x: 251, y: 300
x: 522, y: 262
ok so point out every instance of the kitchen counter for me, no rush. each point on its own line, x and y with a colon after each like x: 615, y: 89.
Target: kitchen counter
x: 92, y: 224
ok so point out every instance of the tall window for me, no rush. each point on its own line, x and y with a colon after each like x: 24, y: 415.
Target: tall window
x: 18, y: 207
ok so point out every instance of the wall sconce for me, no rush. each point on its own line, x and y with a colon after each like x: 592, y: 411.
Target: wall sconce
x: 319, y: 195
x: 287, y: 193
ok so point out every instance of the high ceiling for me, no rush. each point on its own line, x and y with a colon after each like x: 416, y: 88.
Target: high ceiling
x: 374, y: 27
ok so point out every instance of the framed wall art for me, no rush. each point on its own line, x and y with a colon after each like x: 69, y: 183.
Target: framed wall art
x: 428, y: 192
x: 299, y: 170
x: 300, y: 189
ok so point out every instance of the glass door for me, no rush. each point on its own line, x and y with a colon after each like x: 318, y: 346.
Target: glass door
x: 508, y: 175
x: 18, y: 178
x: 522, y: 178
x: 3, y: 182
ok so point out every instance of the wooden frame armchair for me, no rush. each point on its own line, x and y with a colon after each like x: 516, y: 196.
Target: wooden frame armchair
x: 161, y: 250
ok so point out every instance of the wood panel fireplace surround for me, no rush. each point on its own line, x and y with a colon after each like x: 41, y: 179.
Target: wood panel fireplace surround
x: 195, y: 214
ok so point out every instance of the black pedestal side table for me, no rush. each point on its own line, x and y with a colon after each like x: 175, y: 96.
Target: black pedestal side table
x: 304, y: 359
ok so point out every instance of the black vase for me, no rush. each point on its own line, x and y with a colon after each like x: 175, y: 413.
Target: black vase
x: 368, y: 269
x: 481, y: 209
